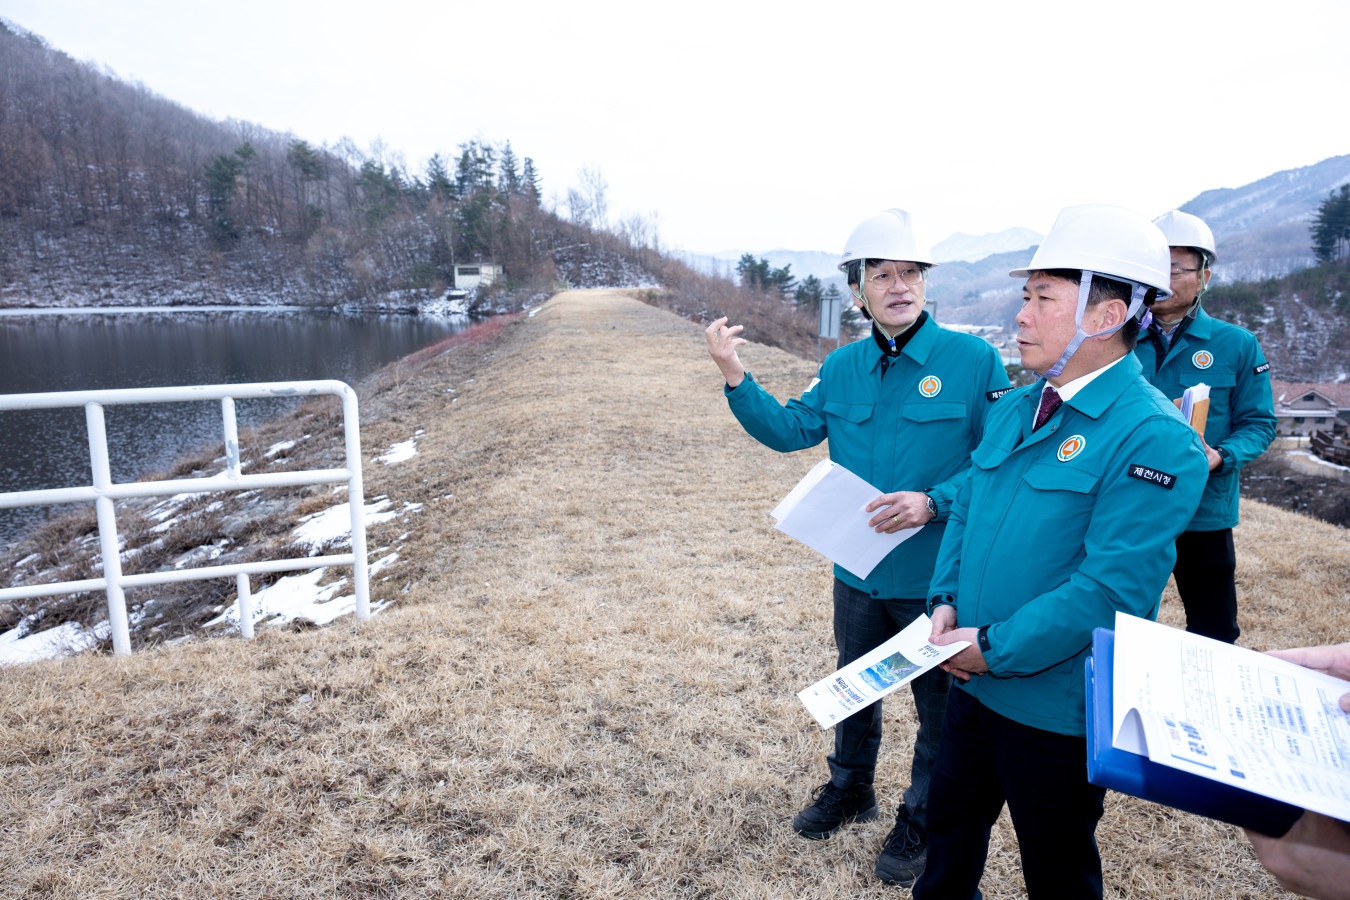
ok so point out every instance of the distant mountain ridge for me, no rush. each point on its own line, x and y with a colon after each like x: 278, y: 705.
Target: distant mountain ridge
x: 952, y: 250
x: 1261, y: 230
x: 961, y: 247
x: 825, y: 265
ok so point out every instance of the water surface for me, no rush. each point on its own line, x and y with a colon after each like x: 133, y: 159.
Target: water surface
x: 50, y: 351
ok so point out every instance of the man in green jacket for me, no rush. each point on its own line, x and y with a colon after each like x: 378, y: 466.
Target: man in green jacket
x: 1075, y: 496
x: 1183, y: 347
x: 901, y: 409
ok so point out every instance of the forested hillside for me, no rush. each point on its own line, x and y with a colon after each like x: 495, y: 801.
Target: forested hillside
x: 1302, y: 320
x: 111, y: 194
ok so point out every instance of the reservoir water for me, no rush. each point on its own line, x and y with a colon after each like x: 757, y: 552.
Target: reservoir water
x: 40, y: 353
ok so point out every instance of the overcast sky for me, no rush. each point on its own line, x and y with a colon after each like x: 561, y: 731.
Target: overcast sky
x: 779, y: 127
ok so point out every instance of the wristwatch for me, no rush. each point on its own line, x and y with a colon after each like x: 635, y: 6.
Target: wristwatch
x: 932, y: 505
x: 938, y: 600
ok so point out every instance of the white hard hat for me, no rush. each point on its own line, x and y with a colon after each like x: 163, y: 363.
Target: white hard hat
x: 1185, y: 230
x: 887, y: 235
x: 1109, y: 240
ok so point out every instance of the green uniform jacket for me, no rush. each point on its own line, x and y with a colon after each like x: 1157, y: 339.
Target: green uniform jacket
x: 1241, y: 421
x: 1057, y: 529
x: 911, y: 430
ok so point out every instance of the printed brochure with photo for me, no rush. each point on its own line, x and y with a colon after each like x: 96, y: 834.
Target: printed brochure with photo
x: 877, y: 673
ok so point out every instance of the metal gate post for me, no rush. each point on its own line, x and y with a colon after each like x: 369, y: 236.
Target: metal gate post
x: 104, y: 494
x: 107, y: 528
x: 356, y: 502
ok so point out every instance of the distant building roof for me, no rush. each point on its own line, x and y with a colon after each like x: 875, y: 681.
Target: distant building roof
x: 1287, y: 392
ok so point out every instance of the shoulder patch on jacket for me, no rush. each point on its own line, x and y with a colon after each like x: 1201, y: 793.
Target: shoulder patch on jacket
x: 991, y: 396
x: 1264, y: 367
x: 1152, y: 476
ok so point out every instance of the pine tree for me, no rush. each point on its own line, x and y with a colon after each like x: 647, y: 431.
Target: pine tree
x: 783, y: 281
x: 1331, y: 226
x: 438, y: 179
x: 508, y: 176
x: 381, y: 190
x: 530, y: 180
x: 753, y: 272
x: 473, y: 173
x: 222, y: 184
x: 810, y: 292
x: 309, y: 167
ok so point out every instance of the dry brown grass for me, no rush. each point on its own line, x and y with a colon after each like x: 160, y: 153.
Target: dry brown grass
x: 585, y: 689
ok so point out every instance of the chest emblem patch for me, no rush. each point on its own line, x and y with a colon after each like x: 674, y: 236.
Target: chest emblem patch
x: 1203, y: 359
x: 1071, y: 447
x: 930, y: 386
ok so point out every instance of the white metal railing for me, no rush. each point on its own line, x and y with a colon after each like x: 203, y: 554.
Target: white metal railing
x: 103, y: 492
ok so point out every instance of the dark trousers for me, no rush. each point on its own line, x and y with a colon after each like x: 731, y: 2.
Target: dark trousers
x: 987, y: 760
x: 1205, y: 570
x: 862, y: 623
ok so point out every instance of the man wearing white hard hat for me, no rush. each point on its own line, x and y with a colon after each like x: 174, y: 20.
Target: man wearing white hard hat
x: 902, y: 409
x: 1185, y: 346
x: 1075, y: 496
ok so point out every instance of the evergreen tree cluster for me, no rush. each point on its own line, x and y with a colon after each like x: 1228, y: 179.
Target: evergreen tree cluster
x: 1331, y: 227
x: 757, y: 274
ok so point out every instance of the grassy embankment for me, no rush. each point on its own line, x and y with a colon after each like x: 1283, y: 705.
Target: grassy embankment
x: 586, y: 687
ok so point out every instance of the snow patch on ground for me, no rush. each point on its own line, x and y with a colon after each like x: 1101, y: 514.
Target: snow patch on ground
x: 292, y: 598
x: 403, y: 450
x: 333, y: 525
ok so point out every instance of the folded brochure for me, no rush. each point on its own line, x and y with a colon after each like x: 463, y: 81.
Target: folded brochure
x: 877, y: 673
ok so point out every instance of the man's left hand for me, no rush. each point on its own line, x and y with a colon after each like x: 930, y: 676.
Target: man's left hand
x: 969, y: 661
x: 903, y: 509
x: 1215, y: 459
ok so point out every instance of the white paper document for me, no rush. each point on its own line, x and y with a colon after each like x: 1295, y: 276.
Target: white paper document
x: 874, y: 675
x: 827, y: 511
x: 1194, y: 406
x: 1232, y: 715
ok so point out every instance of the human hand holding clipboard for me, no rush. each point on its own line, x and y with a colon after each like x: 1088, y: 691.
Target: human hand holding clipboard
x: 1194, y: 406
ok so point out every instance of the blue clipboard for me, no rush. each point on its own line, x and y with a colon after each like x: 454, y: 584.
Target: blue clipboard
x: 1136, y: 775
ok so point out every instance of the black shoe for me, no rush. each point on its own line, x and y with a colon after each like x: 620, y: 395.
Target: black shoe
x: 905, y: 853
x: 835, y: 807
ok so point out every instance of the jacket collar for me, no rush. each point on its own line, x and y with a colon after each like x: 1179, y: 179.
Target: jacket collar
x: 1199, y: 326
x: 1202, y: 326
x: 1097, y: 396
x: 918, y: 347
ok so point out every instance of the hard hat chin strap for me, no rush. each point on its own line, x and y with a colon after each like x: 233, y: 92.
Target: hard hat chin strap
x: 1137, y: 294
x: 1195, y: 304
x: 861, y: 294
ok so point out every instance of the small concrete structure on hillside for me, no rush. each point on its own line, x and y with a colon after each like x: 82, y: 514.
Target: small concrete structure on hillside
x: 474, y: 275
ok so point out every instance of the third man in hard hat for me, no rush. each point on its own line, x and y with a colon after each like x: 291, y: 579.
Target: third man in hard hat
x: 1186, y: 346
x: 902, y: 409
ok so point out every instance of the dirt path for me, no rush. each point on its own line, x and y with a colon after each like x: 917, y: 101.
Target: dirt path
x: 586, y: 687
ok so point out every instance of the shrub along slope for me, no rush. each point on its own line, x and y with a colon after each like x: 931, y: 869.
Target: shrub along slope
x: 586, y: 687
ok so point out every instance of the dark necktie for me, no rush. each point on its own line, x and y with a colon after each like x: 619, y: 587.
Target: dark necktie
x: 1049, y: 403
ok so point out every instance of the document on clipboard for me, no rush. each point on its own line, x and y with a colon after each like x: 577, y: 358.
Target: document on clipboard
x: 1215, y: 729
